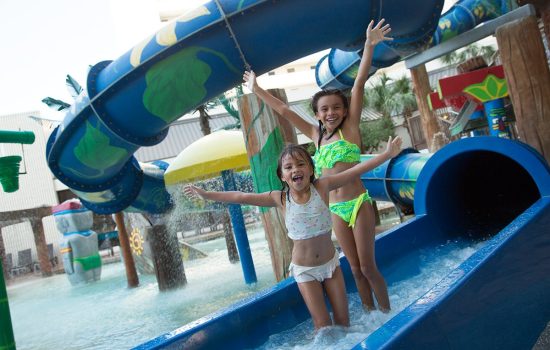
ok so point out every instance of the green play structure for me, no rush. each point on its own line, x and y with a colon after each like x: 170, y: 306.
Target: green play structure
x: 9, y: 177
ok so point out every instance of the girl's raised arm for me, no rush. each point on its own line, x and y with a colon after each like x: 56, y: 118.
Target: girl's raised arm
x: 340, y: 179
x: 375, y: 35
x: 279, y: 106
x: 265, y: 199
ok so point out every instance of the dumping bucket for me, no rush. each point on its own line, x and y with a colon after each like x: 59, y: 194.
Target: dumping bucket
x: 9, y: 173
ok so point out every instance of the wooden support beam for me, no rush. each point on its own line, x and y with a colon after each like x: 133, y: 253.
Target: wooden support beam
x: 131, y: 273
x: 41, y: 247
x: 543, y: 11
x: 526, y: 69
x: 265, y: 135
x: 422, y: 89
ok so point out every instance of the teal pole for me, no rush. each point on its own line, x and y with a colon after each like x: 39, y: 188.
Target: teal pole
x: 239, y: 230
x: 7, y: 341
x: 9, y: 171
x: 26, y: 137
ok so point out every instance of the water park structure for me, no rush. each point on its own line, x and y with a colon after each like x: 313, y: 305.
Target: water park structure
x: 503, y: 203
x: 9, y: 178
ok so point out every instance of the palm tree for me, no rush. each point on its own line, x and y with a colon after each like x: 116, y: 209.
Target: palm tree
x: 379, y: 96
x: 388, y: 97
x: 204, y: 119
x: 228, y: 104
x: 470, y: 51
x: 404, y: 99
x: 74, y: 89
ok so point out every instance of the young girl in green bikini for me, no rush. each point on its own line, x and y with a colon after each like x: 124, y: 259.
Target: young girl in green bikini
x: 337, y: 139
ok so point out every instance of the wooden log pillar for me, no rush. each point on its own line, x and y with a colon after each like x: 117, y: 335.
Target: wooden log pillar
x: 131, y: 273
x: 543, y: 11
x: 545, y: 17
x: 265, y: 135
x: 421, y: 83
x: 526, y: 70
x: 41, y: 247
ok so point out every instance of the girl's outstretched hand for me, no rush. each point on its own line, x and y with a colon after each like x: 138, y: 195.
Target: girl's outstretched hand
x: 249, y: 78
x: 377, y: 33
x: 394, y: 146
x: 193, y: 192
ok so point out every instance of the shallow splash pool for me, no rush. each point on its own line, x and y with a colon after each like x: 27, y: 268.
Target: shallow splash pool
x: 48, y: 313
x: 432, y: 264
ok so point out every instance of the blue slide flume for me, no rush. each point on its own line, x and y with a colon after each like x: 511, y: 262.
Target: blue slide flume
x: 130, y: 102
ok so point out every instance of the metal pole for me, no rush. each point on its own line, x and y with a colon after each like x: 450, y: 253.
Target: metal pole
x: 239, y: 230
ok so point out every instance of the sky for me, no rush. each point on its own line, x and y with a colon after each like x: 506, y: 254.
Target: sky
x: 43, y: 41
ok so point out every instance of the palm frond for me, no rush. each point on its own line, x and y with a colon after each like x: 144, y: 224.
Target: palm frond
x: 73, y: 86
x: 227, y: 104
x: 55, y: 104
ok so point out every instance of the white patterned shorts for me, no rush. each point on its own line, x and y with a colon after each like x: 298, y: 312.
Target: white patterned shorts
x: 315, y: 273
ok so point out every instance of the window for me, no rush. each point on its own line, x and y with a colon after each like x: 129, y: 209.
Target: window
x: 290, y: 70
x: 271, y: 73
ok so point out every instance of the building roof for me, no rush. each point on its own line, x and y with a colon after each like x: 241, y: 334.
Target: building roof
x: 440, y: 73
x: 181, y: 134
x: 186, y: 131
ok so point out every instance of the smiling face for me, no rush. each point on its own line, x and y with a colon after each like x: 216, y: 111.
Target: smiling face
x: 296, y: 168
x: 331, y: 110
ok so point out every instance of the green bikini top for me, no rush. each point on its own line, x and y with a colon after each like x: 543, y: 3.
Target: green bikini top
x: 338, y: 151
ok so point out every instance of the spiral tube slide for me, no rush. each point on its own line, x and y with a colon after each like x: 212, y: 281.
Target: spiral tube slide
x: 395, y: 180
x: 478, y: 189
x: 130, y: 102
x: 338, y: 69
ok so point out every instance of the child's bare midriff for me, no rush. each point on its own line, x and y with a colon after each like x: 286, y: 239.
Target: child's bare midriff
x: 313, y: 251
x: 347, y: 192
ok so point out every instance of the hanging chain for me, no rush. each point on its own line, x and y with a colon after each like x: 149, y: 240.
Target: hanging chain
x: 232, y: 34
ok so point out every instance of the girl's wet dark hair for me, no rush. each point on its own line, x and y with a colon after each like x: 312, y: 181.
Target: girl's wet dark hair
x: 315, y: 101
x: 296, y: 152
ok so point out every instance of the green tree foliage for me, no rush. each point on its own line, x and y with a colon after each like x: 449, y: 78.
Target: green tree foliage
x: 375, y: 132
x: 58, y: 105
x: 388, y: 97
x: 228, y: 101
x: 391, y: 97
x: 469, y: 51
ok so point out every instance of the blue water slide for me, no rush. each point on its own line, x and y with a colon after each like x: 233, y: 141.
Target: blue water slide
x: 486, y: 190
x: 338, y: 69
x: 131, y: 101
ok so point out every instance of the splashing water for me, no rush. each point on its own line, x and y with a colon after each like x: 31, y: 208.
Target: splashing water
x: 435, y: 264
x: 48, y: 313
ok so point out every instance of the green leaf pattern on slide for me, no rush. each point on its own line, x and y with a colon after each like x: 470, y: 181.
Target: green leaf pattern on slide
x: 95, y: 151
x: 177, y: 84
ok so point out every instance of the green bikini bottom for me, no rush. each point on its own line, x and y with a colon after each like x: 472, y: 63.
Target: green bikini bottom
x: 348, y: 210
